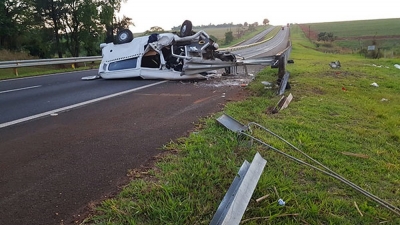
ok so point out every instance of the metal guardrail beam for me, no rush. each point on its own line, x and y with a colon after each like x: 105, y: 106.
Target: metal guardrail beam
x: 236, y: 199
x: 244, y: 46
x: 43, y: 62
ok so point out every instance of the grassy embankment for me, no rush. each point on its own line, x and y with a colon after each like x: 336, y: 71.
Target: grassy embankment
x: 333, y: 113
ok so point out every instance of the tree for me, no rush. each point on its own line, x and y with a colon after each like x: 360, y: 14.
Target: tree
x: 49, y: 13
x: 108, y: 20
x: 245, y: 24
x: 83, y: 23
x: 324, y: 36
x: 15, y: 22
x: 45, y: 27
x: 266, y: 21
x: 228, y: 37
x: 124, y: 23
x: 251, y: 28
x: 153, y: 30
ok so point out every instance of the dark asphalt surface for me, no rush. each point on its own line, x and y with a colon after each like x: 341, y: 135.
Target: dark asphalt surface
x: 30, y: 96
x: 51, y: 168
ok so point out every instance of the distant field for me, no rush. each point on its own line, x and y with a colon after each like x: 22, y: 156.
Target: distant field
x: 356, y: 35
x: 383, y: 27
x: 219, y: 32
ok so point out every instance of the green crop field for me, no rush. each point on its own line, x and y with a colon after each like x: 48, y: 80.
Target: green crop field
x: 382, y: 27
x: 353, y: 36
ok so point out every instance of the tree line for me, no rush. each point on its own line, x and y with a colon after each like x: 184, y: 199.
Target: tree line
x: 48, y: 28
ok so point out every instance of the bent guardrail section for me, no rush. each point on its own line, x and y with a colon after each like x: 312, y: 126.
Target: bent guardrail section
x: 233, y: 205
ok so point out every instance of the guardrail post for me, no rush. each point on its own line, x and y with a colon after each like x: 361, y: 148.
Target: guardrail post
x: 283, y: 75
x: 16, y: 70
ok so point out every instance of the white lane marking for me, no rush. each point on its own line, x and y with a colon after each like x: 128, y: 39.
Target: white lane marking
x: 19, y: 89
x: 75, y: 105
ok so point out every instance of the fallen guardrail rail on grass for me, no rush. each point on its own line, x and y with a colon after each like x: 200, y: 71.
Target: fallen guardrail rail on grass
x: 240, y: 129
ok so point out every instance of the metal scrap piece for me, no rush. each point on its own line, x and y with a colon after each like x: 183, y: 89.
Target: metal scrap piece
x: 233, y: 205
x: 231, y: 124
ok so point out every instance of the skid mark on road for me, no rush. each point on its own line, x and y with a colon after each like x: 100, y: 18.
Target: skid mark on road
x: 202, y: 100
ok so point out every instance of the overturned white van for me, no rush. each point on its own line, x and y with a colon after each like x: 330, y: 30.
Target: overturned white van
x: 187, y: 55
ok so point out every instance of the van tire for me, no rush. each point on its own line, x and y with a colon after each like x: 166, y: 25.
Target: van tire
x: 186, y: 28
x: 123, y: 36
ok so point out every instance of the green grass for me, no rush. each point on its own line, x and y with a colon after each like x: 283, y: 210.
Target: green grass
x: 187, y: 185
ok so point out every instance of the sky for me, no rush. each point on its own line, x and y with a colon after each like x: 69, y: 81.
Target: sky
x: 169, y: 13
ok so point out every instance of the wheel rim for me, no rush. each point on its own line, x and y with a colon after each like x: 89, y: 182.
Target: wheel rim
x: 184, y: 29
x: 123, y: 36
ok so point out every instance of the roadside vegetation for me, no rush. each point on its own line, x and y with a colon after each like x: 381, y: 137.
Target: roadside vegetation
x: 336, y: 117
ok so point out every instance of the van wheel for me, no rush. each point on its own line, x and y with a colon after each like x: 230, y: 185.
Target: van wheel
x: 186, y: 28
x: 124, y: 36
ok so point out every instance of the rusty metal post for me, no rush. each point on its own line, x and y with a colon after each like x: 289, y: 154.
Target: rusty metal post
x: 15, y: 71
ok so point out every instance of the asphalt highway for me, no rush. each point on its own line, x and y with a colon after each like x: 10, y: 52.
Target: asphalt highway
x: 21, y: 98
x: 55, y: 166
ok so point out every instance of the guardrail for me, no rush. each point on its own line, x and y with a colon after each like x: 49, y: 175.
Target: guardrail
x: 14, y: 64
x: 234, y: 48
x: 231, y: 49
